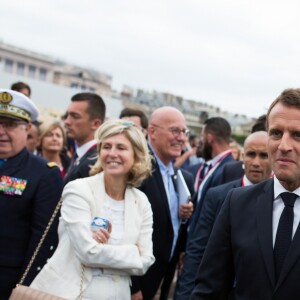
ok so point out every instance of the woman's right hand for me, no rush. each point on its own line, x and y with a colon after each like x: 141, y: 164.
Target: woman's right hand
x: 102, y: 235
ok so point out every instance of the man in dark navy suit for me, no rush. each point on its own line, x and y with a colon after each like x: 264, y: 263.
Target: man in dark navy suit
x: 257, y: 169
x: 216, y: 152
x: 30, y: 188
x: 85, y: 114
x: 254, y: 248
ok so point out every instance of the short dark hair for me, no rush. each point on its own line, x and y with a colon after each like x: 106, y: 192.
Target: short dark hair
x: 96, y: 106
x: 260, y: 124
x: 133, y: 112
x: 289, y: 97
x: 18, y: 86
x: 219, y: 127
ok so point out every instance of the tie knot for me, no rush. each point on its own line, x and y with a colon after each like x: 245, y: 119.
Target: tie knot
x: 289, y: 198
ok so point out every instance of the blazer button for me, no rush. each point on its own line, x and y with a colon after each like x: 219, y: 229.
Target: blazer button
x: 51, y: 247
x: 38, y: 268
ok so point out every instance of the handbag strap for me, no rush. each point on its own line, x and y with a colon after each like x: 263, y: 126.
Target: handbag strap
x: 38, y: 247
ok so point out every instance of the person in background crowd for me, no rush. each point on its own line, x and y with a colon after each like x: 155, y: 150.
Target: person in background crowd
x: 235, y: 170
x: 84, y: 115
x: 236, y: 150
x: 33, y: 138
x: 257, y: 169
x: 167, y: 133
x: 109, y: 255
x: 260, y: 124
x: 216, y: 153
x: 21, y: 87
x: 188, y: 154
x: 30, y: 188
x: 137, y: 116
x: 52, y: 144
x: 253, y: 250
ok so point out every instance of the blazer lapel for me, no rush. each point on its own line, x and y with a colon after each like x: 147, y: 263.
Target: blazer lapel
x: 98, y: 190
x: 264, y: 227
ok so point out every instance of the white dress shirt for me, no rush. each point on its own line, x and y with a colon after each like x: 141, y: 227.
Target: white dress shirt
x: 278, y: 207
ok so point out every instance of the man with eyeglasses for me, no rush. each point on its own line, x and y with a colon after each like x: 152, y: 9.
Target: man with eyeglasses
x: 29, y: 191
x: 167, y: 133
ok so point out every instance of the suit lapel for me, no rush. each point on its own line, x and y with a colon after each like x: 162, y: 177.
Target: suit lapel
x: 130, y: 229
x: 162, y: 192
x: 264, y: 227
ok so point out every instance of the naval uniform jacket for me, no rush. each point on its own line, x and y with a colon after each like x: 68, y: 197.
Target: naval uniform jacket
x: 29, y: 191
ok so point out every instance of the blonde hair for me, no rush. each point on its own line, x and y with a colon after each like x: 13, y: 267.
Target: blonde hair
x: 141, y: 168
x: 46, y: 128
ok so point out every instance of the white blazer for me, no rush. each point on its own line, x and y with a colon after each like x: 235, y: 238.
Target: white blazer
x: 82, y: 201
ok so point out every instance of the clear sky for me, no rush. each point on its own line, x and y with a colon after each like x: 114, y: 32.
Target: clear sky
x: 238, y: 55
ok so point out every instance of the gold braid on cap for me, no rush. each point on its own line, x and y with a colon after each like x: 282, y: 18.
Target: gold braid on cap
x: 14, y: 111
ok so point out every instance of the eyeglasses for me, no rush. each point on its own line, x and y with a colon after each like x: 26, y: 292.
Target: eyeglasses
x: 176, y: 131
x: 11, y: 124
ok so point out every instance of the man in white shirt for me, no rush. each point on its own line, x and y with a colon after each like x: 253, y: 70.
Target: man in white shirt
x: 85, y: 114
x: 254, y: 249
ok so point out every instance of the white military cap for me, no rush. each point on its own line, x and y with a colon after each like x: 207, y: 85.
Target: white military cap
x: 16, y: 105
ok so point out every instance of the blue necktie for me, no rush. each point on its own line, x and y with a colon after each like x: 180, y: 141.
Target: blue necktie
x: 284, y: 231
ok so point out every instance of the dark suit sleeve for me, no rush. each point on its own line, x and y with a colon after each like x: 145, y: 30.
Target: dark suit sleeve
x: 46, y: 197
x: 197, y: 244
x: 214, y: 279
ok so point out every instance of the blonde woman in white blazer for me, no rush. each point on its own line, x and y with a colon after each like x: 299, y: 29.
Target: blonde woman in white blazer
x: 109, y: 256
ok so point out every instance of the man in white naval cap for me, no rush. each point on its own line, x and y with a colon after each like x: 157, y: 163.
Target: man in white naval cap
x: 30, y: 188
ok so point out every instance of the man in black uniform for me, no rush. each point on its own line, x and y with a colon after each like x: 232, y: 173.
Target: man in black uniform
x: 29, y: 191
x: 85, y: 114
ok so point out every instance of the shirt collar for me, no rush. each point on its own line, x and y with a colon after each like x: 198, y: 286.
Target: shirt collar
x: 219, y: 156
x: 246, y: 181
x: 85, y: 147
x: 166, y: 169
x: 278, y: 189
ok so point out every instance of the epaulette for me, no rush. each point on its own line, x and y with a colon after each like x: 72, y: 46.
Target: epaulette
x: 52, y: 164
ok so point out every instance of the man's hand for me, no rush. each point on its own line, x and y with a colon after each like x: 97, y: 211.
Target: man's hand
x: 186, y: 210
x: 180, y: 262
x: 137, y: 296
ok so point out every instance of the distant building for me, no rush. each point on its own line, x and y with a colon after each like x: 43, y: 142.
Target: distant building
x: 54, y: 82
x: 37, y: 66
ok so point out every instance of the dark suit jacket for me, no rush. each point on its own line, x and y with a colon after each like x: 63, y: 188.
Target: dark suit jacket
x: 212, y: 181
x: 83, y: 168
x: 232, y: 171
x: 197, y: 243
x: 25, y: 210
x: 163, y: 234
x: 240, y: 251
x: 194, y: 169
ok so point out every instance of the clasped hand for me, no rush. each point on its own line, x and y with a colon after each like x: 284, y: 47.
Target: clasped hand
x: 102, y: 235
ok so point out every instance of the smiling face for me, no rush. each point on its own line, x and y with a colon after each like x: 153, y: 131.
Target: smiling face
x: 116, y: 156
x: 284, y: 144
x: 255, y: 156
x: 162, y: 133
x: 13, y: 136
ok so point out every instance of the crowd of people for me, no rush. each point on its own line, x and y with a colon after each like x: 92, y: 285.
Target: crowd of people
x: 149, y: 211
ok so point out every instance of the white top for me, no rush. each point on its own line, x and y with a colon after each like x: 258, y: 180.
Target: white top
x: 113, y: 211
x: 278, y: 207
